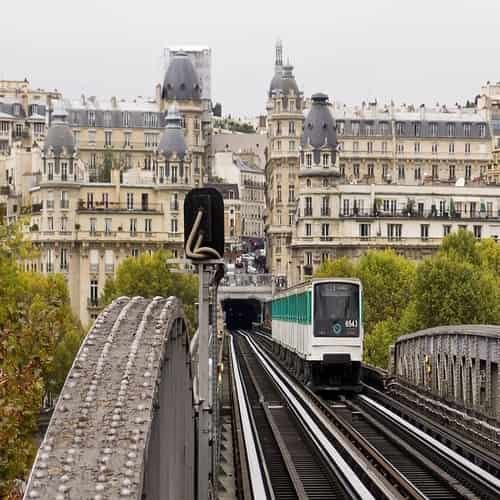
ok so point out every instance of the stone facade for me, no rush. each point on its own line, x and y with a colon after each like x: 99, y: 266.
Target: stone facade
x: 89, y: 215
x: 372, y: 177
x: 230, y: 168
x: 284, y: 124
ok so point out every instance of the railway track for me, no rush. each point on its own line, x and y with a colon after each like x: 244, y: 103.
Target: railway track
x: 415, y: 464
x: 300, y: 458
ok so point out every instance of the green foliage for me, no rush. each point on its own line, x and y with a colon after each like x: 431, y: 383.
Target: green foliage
x: 377, y: 344
x: 38, y: 340
x: 388, y: 281
x: 453, y: 291
x: 234, y: 126
x: 460, y: 284
x: 462, y: 245
x: 149, y: 276
x: 340, y: 268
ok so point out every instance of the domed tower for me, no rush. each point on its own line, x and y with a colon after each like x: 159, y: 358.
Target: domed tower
x: 319, y: 139
x: 59, y: 152
x: 182, y: 86
x: 318, y: 200
x: 173, y: 171
x: 284, y: 120
x: 173, y: 166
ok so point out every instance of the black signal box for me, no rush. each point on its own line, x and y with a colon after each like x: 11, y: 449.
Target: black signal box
x: 211, y: 204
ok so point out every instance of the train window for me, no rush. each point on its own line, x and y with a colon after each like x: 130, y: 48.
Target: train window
x: 336, y: 310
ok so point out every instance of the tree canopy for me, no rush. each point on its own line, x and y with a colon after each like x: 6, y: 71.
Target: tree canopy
x: 460, y: 284
x: 39, y: 338
x: 152, y: 275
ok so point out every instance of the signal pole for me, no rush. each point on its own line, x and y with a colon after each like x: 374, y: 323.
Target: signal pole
x: 204, y: 245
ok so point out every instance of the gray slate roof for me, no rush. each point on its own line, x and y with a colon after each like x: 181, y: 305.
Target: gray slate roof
x: 284, y: 81
x: 9, y: 108
x: 319, y: 127
x: 173, y: 141
x: 59, y: 135
x: 182, y: 82
x: 411, y: 125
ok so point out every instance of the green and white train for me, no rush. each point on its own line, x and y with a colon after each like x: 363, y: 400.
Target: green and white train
x: 317, y: 328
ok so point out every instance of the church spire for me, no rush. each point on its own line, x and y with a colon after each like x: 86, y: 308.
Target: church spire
x: 279, y: 55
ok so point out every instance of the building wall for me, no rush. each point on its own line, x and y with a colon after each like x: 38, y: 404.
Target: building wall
x: 130, y: 131
x: 285, y: 122
x: 98, y: 225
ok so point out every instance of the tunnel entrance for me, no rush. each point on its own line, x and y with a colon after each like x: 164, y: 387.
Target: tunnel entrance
x: 241, y: 313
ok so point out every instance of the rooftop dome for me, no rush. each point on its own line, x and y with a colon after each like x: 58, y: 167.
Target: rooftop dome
x: 182, y: 82
x: 173, y: 141
x: 59, y: 135
x: 319, y: 126
x: 284, y: 81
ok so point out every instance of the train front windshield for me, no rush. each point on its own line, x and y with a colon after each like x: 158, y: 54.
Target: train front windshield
x: 336, y: 310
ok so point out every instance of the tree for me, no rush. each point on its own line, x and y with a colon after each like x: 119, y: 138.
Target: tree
x: 377, y: 344
x: 149, y: 276
x: 388, y: 284
x: 462, y: 244
x: 38, y: 340
x: 452, y: 291
x: 339, y: 268
x: 489, y: 256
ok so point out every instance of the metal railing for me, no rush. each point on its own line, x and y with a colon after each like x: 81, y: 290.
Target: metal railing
x: 427, y: 214
x: 113, y: 206
x: 246, y: 280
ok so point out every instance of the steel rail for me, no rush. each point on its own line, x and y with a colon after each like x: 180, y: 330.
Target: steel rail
x: 467, y: 448
x: 479, y: 480
x: 259, y: 480
x: 351, y: 480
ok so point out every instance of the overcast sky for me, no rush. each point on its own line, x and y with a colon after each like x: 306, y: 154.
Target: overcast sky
x: 410, y: 51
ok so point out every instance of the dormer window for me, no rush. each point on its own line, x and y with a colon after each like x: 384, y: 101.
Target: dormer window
x: 17, y: 109
x: 326, y: 159
x: 309, y: 159
x: 91, y: 118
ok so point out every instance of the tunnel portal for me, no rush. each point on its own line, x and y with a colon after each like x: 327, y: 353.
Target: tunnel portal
x: 241, y: 313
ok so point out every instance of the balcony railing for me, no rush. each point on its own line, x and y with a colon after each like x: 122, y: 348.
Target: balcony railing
x: 118, y: 207
x: 246, y: 280
x: 422, y: 214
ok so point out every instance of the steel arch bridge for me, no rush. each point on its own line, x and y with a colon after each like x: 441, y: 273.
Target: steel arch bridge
x: 123, y: 426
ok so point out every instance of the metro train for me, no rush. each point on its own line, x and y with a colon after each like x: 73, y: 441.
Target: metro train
x: 317, y: 329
